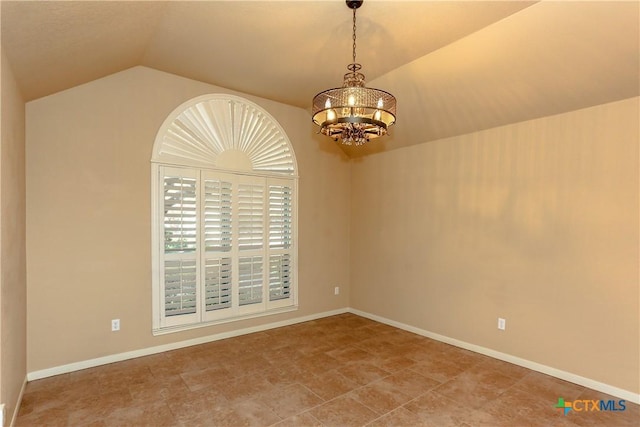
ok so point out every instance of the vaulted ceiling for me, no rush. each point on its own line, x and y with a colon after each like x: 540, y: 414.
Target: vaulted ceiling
x: 454, y: 66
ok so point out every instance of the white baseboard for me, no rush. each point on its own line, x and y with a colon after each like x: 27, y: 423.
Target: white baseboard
x: 18, y: 403
x: 557, y: 373
x: 77, y: 366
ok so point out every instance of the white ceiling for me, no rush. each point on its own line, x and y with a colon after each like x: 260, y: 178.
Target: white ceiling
x: 454, y: 66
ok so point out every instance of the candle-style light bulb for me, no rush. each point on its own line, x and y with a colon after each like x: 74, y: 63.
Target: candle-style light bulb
x: 378, y: 114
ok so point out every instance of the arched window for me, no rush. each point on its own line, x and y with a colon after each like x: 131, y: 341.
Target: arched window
x: 224, y: 203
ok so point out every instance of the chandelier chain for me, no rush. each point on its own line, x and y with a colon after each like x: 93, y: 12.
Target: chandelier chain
x: 354, y: 35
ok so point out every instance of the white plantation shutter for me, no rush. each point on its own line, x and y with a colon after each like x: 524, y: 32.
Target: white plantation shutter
x: 180, y: 287
x: 250, y: 216
x: 280, y: 206
x: 227, y: 245
x: 180, y: 219
x: 250, y: 281
x: 217, y: 283
x: 224, y: 215
x: 218, y: 239
x: 279, y: 277
x: 202, y: 129
x: 280, y: 216
x: 217, y: 215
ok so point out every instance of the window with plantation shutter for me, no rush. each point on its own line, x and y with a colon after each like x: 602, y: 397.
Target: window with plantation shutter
x: 224, y: 215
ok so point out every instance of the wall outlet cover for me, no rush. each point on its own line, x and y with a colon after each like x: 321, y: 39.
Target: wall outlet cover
x: 502, y: 323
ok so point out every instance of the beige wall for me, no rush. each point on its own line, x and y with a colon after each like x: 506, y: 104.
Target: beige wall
x: 13, y: 289
x: 536, y: 222
x: 88, y: 215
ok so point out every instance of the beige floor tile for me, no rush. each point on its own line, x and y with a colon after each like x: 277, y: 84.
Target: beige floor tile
x: 436, y: 410
x: 330, y: 385
x: 392, y: 363
x: 338, y: 339
x: 400, y: 417
x: 96, y: 408
x: 248, y: 364
x: 301, y: 420
x: 426, y: 349
x: 363, y: 373
x: 290, y: 400
x: 317, y: 363
x: 351, y: 354
x: 283, y: 354
x: 193, y: 406
x: 439, y: 369
x: 378, y: 345
x: 410, y: 383
x: 54, y: 417
x: 158, y: 389
x: 204, y: 378
x: 155, y: 414
x: 287, y: 375
x: 248, y: 413
x: 245, y: 387
x: 342, y: 370
x: 548, y: 388
x: 362, y: 334
x: 476, y: 386
x: 505, y: 368
x: 343, y: 412
x: 380, y: 396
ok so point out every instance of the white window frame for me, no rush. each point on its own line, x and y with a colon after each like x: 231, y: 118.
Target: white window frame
x: 261, y: 154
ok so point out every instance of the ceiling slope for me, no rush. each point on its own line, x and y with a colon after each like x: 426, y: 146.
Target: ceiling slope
x: 55, y: 45
x: 455, y: 66
x: 551, y: 58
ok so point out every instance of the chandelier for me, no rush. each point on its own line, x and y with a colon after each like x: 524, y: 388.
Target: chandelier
x: 353, y: 114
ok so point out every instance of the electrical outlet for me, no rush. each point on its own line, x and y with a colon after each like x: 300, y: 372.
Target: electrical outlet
x: 336, y: 290
x: 115, y: 325
x: 502, y: 323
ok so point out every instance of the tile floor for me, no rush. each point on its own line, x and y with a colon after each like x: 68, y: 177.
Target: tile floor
x: 338, y: 371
